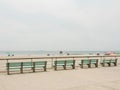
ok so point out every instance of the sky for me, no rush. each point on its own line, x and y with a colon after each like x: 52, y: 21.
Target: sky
x: 71, y: 25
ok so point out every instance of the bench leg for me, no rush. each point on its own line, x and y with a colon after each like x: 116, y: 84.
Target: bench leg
x: 64, y: 66
x: 8, y: 72
x: 103, y: 64
x: 115, y: 64
x: 8, y: 69
x: 33, y: 69
x: 89, y: 65
x: 96, y: 65
x: 21, y: 70
x: 73, y: 66
x: 109, y: 64
x: 81, y: 65
x: 55, y: 67
x: 44, y: 68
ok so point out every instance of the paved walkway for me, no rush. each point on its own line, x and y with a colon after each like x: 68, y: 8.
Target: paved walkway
x: 103, y: 78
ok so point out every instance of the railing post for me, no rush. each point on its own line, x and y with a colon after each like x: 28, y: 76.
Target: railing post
x: 52, y: 63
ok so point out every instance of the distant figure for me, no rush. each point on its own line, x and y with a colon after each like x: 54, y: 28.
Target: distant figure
x: 12, y: 54
x: 8, y: 54
x: 48, y: 54
x: 68, y: 54
x: 61, y: 52
x: 98, y: 53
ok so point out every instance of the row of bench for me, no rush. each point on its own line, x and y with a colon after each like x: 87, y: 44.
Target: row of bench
x: 64, y: 63
x: 95, y: 62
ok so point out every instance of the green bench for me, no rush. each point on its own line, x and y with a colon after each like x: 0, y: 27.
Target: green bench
x: 85, y: 62
x: 25, y: 65
x: 114, y: 61
x: 89, y: 62
x: 94, y: 62
x: 70, y: 63
x: 14, y: 66
x: 109, y: 62
x: 40, y: 64
x: 59, y: 63
x: 64, y: 63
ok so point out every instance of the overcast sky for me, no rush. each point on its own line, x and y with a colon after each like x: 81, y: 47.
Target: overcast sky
x: 60, y: 25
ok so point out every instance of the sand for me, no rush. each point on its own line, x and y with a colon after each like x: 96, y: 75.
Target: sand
x: 102, y: 78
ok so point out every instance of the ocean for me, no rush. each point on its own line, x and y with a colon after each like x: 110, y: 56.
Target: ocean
x: 41, y: 52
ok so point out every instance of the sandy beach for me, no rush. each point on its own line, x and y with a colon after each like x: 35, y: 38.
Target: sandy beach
x: 102, y: 78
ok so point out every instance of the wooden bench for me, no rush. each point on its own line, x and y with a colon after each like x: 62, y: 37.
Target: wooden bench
x: 109, y: 62
x: 14, y: 66
x: 89, y: 62
x: 59, y: 63
x: 25, y: 65
x: 113, y: 61
x: 70, y: 63
x: 40, y: 64
x: 64, y: 63
x: 85, y: 62
x: 94, y: 61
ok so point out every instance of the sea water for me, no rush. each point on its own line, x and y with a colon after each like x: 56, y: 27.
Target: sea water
x: 41, y: 52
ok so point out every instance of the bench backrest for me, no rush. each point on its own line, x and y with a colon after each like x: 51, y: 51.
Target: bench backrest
x: 60, y: 62
x: 69, y: 61
x: 106, y: 61
x: 27, y: 63
x: 113, y: 60
x: 40, y: 63
x: 14, y: 64
x: 94, y: 60
x: 85, y: 61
